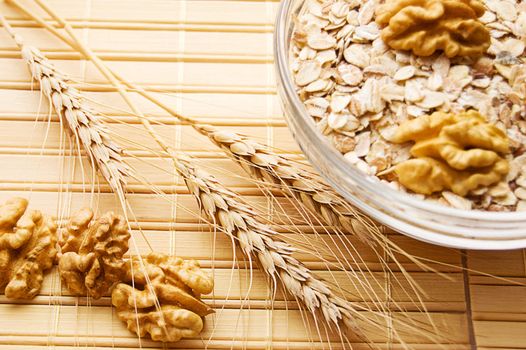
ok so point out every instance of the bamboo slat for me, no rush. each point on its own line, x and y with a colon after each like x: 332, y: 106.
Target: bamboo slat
x: 212, y: 61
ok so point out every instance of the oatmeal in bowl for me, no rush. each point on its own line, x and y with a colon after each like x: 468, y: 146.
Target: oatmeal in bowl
x: 423, y: 97
x: 364, y: 68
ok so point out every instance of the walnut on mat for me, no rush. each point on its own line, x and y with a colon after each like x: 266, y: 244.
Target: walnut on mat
x: 92, y: 251
x: 425, y: 26
x: 161, y: 297
x: 27, y: 248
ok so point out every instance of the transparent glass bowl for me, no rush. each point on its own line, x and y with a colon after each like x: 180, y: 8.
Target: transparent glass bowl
x: 416, y: 218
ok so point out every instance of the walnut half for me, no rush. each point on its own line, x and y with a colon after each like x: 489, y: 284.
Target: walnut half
x: 425, y: 26
x: 460, y: 152
x: 168, y: 306
x: 91, y: 260
x: 27, y: 249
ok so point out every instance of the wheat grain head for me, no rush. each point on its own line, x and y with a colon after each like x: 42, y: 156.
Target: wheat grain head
x: 260, y: 242
x: 83, y: 124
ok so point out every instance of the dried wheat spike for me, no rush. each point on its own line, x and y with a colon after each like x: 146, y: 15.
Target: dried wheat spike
x: 168, y: 306
x: 27, y: 249
x: 92, y: 251
x: 261, y: 163
x: 84, y: 125
x: 260, y: 242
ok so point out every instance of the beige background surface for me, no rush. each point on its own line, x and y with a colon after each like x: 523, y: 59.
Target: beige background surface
x: 214, y: 58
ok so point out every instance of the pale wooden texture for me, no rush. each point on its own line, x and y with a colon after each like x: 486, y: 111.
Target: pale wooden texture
x: 214, y: 57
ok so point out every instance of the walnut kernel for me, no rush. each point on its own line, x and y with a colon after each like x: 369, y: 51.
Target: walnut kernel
x: 425, y: 26
x: 27, y: 249
x: 168, y: 306
x: 92, y: 253
x: 460, y: 152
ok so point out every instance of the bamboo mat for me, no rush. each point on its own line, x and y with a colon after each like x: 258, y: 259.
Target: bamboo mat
x: 214, y: 60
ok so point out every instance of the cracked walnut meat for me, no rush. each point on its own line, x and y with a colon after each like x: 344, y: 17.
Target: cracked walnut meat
x: 92, y: 253
x: 425, y: 26
x: 27, y: 248
x: 164, y: 299
x: 457, y: 152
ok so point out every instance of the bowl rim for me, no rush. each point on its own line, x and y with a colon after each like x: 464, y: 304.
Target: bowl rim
x: 336, y: 159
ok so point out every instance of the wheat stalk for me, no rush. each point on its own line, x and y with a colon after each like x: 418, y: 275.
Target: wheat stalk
x: 83, y: 123
x: 260, y: 242
x: 263, y: 164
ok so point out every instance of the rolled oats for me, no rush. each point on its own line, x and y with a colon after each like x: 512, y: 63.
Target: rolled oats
x: 508, y: 199
x: 367, y: 32
x: 366, y: 12
x: 415, y: 111
x: 405, y: 73
x: 317, y: 106
x: 520, y: 192
x: 521, y: 181
x: 514, y: 46
x: 343, y: 143
x: 339, y: 102
x: 363, y: 143
x: 351, y: 75
x: 340, y: 9
x: 359, y: 90
x: 435, y: 81
x: 321, y: 41
x: 309, y: 71
x: 432, y: 99
x: 392, y: 92
x: 506, y: 10
x: 325, y: 56
x: 357, y: 55
x: 457, y: 201
x: 488, y: 17
x: 337, y: 121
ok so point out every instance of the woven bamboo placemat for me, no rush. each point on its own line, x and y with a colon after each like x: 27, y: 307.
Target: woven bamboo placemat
x: 214, y: 58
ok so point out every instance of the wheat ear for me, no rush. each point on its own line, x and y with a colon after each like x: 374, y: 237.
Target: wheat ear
x: 84, y: 124
x: 258, y: 241
x: 81, y: 122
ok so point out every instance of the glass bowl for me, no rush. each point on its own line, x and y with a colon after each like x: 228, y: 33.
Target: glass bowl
x: 430, y: 222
